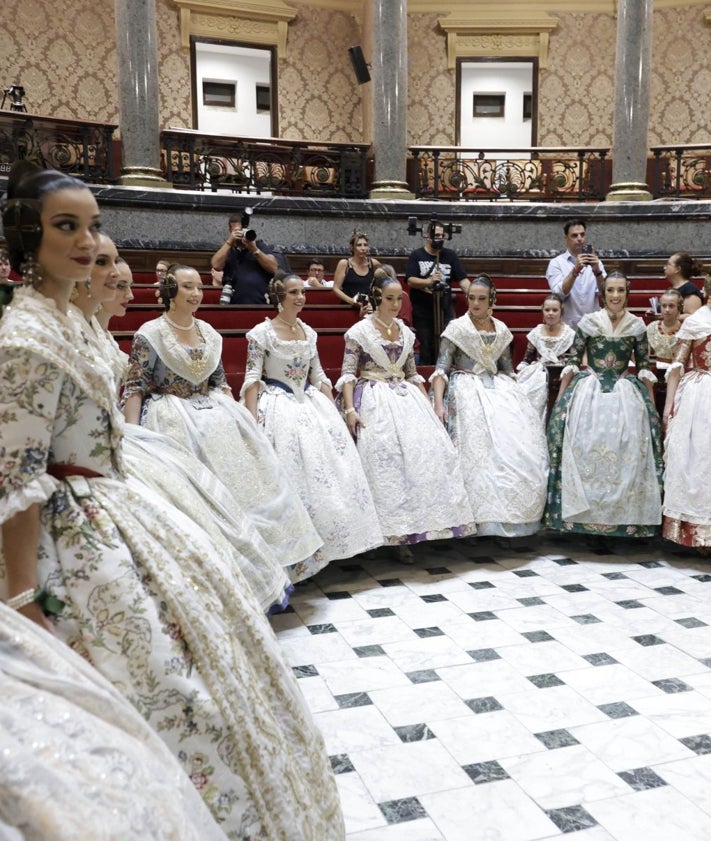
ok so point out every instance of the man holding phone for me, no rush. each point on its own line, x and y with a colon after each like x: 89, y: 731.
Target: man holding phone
x: 577, y: 274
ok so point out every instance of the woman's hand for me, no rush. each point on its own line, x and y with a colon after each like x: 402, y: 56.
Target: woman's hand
x: 440, y: 412
x: 34, y: 612
x: 353, y: 421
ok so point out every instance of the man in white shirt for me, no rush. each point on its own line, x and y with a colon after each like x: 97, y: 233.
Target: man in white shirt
x: 577, y: 274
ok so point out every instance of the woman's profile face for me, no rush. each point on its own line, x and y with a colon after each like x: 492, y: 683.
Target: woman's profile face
x: 70, y: 228
x: 671, y: 268
x: 104, y: 274
x: 124, y: 294
x: 189, y: 295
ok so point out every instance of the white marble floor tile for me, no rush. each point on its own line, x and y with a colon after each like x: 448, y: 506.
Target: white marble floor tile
x: 428, y: 653
x: 419, y: 703
x: 610, y: 684
x: 393, y: 772
x: 362, y: 675
x: 691, y: 777
x: 315, y: 611
x: 376, y: 632
x: 655, y: 662
x: 471, y: 635
x: 420, y: 830
x: 534, y: 618
x: 498, y: 811
x: 360, y: 811
x: 660, y: 814
x: 420, y: 614
x: 681, y: 714
x: 490, y: 678
x: 551, y: 709
x: 533, y: 658
x: 391, y: 597
x: 473, y: 601
x: 354, y: 729
x: 567, y: 776
x: 316, y: 649
x: 675, y: 606
x: 696, y: 642
x: 317, y: 694
x: 487, y: 736
x: 628, y: 743
x: 593, y: 638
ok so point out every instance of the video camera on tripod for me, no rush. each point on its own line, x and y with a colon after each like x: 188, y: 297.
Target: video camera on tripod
x: 430, y: 230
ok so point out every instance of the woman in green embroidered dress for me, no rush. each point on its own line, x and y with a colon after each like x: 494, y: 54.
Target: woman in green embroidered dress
x: 604, y: 435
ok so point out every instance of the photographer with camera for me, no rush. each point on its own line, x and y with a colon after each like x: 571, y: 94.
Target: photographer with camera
x: 577, y: 274
x: 430, y: 272
x: 246, y: 262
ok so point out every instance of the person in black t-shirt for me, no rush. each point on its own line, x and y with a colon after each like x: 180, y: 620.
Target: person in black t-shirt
x: 427, y: 266
x: 247, y: 265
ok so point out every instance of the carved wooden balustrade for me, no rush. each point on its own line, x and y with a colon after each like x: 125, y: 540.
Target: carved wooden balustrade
x: 78, y: 147
x: 252, y: 165
x: 526, y: 174
x: 682, y: 171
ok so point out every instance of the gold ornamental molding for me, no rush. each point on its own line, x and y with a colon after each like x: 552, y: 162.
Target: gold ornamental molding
x: 506, y: 33
x: 262, y: 22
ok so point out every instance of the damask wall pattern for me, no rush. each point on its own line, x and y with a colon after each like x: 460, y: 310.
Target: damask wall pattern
x: 175, y: 100
x: 431, y: 111
x: 319, y: 98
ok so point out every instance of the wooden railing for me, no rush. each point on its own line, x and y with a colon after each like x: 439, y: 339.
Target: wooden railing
x: 252, y: 165
x: 682, y: 171
x: 77, y: 147
x: 527, y: 174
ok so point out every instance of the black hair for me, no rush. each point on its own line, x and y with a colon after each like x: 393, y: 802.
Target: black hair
x: 573, y: 223
x: 554, y: 296
x: 381, y: 279
x: 168, y: 288
x: 688, y: 265
x: 22, y: 211
x: 277, y: 287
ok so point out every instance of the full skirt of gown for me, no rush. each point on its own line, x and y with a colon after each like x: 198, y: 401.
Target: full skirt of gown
x: 604, y: 462
x: 502, y: 449
x: 75, y: 757
x: 687, y: 490
x: 225, y: 437
x: 317, y: 454
x: 411, y: 465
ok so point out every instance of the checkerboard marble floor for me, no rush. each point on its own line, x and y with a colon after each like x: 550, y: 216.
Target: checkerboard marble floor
x: 534, y: 691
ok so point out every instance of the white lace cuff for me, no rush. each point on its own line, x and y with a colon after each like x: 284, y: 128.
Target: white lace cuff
x: 38, y: 490
x: 521, y: 366
x: 346, y: 378
x: 248, y: 381
x: 645, y: 374
x: 416, y: 379
x: 675, y: 366
x: 438, y: 373
x: 569, y: 369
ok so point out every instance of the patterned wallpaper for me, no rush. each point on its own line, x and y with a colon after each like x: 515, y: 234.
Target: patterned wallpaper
x: 318, y: 94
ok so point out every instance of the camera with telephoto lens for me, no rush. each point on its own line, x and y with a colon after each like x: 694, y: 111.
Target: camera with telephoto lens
x: 226, y: 294
x: 247, y: 233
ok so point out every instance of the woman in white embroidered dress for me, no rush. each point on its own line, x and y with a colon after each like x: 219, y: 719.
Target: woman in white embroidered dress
x: 176, y: 385
x: 496, y: 430
x: 287, y: 391
x: 604, y: 434
x: 548, y: 344
x: 133, y: 585
x: 410, y: 463
x: 687, y: 490
x: 157, y: 461
x: 75, y: 757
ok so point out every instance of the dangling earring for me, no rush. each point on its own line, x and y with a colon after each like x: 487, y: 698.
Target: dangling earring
x: 172, y: 304
x: 87, y: 284
x: 280, y: 306
x: 74, y: 294
x: 490, y: 311
x: 31, y: 271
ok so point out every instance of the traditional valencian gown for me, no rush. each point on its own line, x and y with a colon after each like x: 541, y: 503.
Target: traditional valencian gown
x: 410, y: 462
x: 75, y: 757
x: 604, y: 436
x: 496, y: 430
x: 155, y: 460
x: 543, y: 350
x: 186, y: 396
x: 313, y: 443
x: 687, y: 489
x: 149, y: 601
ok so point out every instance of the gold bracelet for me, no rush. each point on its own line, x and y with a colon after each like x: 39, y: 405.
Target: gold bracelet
x: 350, y: 411
x: 22, y: 599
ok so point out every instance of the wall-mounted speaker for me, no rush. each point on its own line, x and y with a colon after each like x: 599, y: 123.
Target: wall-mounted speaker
x: 360, y: 68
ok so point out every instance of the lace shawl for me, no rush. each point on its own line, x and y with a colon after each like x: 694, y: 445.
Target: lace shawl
x: 367, y: 335
x: 462, y: 333
x: 696, y: 326
x: 599, y: 324
x: 550, y: 352
x: 172, y: 354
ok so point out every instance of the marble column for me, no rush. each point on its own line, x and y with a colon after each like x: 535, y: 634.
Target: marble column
x: 137, y: 56
x: 632, y: 83
x: 389, y: 79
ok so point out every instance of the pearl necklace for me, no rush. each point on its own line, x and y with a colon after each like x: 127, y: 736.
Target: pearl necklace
x: 291, y: 326
x: 387, y: 327
x: 179, y: 326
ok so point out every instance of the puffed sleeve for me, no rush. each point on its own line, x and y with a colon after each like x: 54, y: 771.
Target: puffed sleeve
x: 445, y: 360
x: 349, y: 369
x: 576, y: 355
x: 30, y: 388
x: 255, y: 363
x: 682, y: 352
x: 139, y: 377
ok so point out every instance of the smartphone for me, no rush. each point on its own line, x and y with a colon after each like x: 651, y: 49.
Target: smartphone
x: 587, y: 249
